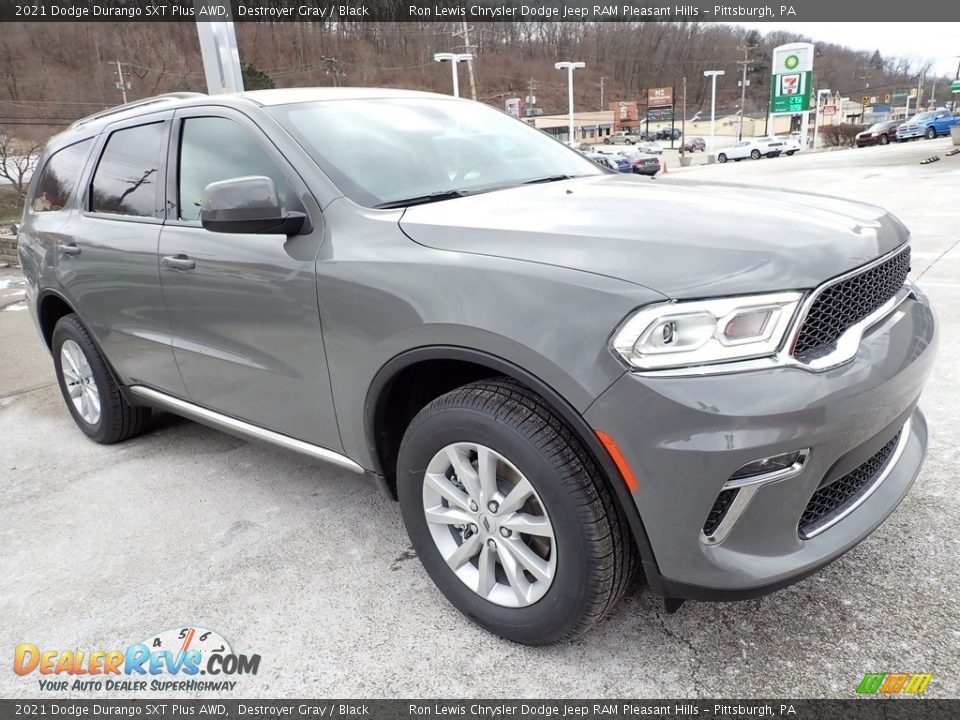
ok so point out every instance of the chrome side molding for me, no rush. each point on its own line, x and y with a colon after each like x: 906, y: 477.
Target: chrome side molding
x: 232, y: 425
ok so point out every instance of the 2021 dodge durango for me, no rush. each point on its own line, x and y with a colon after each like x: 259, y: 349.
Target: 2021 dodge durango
x: 565, y: 375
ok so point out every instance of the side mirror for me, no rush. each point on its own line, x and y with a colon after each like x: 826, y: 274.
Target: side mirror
x: 247, y: 205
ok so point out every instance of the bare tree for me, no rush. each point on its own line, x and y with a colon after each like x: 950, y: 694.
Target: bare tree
x: 17, y: 160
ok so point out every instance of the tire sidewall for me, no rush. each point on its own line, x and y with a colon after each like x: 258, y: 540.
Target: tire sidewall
x: 545, y: 620
x: 721, y: 158
x: 69, y: 329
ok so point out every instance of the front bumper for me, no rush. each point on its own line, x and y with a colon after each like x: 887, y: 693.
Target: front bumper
x: 684, y: 437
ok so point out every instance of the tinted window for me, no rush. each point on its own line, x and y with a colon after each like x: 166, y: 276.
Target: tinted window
x: 128, y: 176
x: 60, y: 177
x: 214, y: 149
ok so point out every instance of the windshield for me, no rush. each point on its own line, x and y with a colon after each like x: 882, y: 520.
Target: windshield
x: 877, y: 126
x: 385, y: 150
x: 922, y: 116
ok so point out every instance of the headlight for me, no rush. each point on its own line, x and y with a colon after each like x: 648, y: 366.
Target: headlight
x: 679, y: 334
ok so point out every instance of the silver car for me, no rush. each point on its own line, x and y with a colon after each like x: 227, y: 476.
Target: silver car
x: 565, y: 375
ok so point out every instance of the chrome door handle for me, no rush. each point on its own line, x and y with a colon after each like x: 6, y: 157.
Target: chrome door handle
x: 179, y: 262
x: 70, y: 249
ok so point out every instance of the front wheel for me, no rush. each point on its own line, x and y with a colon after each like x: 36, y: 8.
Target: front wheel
x: 931, y: 133
x: 790, y: 152
x: 884, y: 140
x: 755, y: 154
x: 722, y: 158
x: 88, y: 387
x: 510, y: 515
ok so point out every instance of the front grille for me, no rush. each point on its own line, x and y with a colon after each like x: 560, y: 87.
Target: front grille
x: 831, y: 500
x: 846, y: 303
x: 718, y: 511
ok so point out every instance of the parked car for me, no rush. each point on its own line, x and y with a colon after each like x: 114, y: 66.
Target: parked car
x: 619, y: 138
x: 643, y: 134
x: 928, y: 124
x: 643, y: 163
x: 792, y: 143
x: 651, y: 147
x: 613, y: 162
x: 559, y: 382
x: 882, y: 133
x: 754, y: 148
x: 693, y: 144
x: 666, y: 133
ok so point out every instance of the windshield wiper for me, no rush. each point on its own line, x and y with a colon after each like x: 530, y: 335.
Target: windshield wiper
x: 422, y: 199
x: 549, y: 179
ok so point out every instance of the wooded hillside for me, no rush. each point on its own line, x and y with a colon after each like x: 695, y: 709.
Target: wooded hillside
x: 55, y: 72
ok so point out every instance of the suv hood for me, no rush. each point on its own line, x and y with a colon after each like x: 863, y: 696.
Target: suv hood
x: 683, y: 240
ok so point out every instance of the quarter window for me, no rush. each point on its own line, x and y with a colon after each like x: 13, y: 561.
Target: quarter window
x: 60, y: 178
x: 128, y: 177
x: 214, y: 149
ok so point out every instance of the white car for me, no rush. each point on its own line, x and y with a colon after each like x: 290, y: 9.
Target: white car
x: 792, y: 143
x: 651, y: 147
x: 755, y: 148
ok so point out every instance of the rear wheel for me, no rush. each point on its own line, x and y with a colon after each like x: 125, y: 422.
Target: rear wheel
x: 722, y: 158
x: 755, y: 154
x: 510, y: 515
x: 88, y: 387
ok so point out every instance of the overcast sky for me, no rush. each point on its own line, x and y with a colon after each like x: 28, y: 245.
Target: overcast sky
x: 937, y: 42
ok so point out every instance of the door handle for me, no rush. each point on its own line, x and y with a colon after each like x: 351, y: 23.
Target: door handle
x: 70, y: 249
x: 179, y: 262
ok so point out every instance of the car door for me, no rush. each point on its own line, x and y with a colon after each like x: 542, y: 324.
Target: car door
x: 243, y: 307
x: 108, y: 266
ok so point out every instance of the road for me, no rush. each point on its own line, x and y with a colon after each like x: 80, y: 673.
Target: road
x: 310, y: 568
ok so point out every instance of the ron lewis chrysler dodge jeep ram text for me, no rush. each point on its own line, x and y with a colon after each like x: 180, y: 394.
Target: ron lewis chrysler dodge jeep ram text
x: 564, y: 374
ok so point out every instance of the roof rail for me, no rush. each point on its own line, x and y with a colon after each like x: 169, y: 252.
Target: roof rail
x: 135, y: 104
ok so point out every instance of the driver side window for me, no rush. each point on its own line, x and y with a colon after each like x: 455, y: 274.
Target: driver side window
x: 214, y: 149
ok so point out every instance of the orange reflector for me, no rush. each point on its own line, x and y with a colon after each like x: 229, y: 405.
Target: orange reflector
x: 619, y: 460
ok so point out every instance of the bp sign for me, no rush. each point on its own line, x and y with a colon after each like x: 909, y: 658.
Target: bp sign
x: 791, y: 85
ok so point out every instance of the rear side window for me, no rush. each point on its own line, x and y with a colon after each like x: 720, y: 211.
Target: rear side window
x: 60, y: 178
x: 214, y: 149
x: 127, y: 178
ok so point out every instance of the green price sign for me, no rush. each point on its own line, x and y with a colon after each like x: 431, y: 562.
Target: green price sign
x: 790, y: 92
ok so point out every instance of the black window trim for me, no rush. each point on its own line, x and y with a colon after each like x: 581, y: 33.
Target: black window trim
x: 147, y: 119
x: 172, y: 200
x: 71, y: 202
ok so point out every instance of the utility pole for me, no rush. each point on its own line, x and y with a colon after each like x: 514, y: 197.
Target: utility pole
x: 120, y: 83
x: 468, y: 50
x: 683, y: 119
x: 602, y: 80
x: 531, y: 99
x: 743, y: 87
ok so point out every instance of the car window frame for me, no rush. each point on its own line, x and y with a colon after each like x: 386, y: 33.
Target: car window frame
x: 71, y: 202
x: 172, y: 200
x: 164, y: 117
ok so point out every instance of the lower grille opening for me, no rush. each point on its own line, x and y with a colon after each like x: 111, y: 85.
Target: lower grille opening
x: 718, y: 511
x: 831, y: 500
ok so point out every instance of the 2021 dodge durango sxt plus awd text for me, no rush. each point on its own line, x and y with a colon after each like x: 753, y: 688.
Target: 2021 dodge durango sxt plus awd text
x: 564, y: 374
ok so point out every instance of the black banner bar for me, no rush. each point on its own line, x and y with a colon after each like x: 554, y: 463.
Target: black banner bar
x: 477, y: 11
x: 161, y: 709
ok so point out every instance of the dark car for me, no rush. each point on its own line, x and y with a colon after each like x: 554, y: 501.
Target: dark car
x: 666, y: 133
x: 564, y: 375
x: 695, y: 143
x: 645, y: 164
x: 613, y: 162
x: 882, y: 133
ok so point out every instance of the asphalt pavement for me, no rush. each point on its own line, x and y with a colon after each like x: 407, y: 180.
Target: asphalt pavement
x: 310, y: 568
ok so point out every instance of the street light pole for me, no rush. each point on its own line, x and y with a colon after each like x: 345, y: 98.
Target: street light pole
x: 712, y: 74
x: 816, y: 119
x: 570, y: 67
x: 454, y: 59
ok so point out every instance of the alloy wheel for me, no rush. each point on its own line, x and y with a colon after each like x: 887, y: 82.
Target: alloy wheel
x: 489, y: 525
x: 81, y: 385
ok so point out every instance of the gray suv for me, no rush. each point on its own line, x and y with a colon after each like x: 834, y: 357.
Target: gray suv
x: 565, y: 375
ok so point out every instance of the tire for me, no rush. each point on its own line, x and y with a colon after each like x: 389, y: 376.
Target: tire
x: 591, y: 552
x: 99, y: 410
x: 790, y: 152
x: 755, y: 154
x: 884, y: 140
x: 722, y: 158
x: 931, y: 133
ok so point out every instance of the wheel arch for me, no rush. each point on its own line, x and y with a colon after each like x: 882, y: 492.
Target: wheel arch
x: 476, y: 364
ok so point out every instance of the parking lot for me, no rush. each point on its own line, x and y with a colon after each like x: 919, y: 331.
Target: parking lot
x: 310, y: 568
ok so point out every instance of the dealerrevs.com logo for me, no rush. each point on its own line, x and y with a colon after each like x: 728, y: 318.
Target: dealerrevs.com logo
x: 168, y: 661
